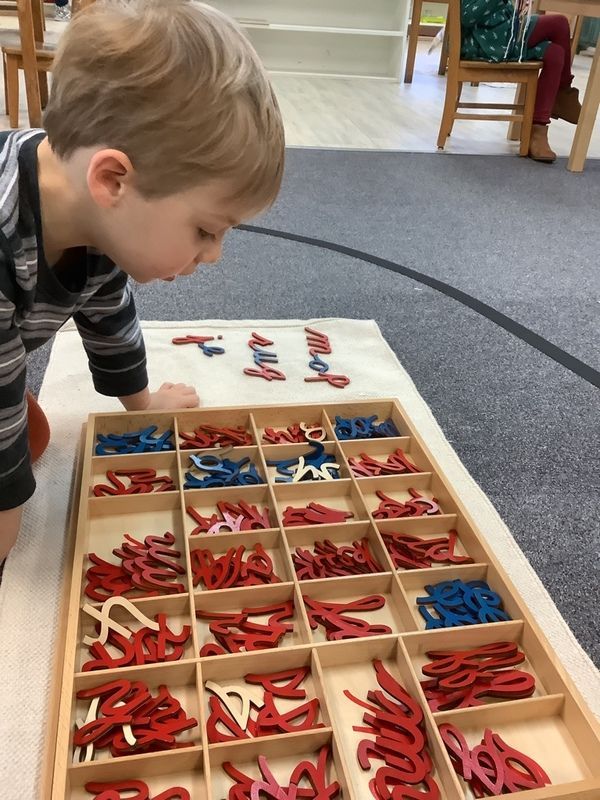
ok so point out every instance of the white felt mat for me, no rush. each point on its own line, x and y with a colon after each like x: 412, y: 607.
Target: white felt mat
x: 33, y: 573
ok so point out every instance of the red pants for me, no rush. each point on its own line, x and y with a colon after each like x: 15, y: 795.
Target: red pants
x: 556, y: 72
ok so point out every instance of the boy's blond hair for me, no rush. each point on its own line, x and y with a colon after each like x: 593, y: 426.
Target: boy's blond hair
x: 176, y: 86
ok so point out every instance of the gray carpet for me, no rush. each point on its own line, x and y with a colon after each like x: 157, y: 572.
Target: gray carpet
x: 520, y: 236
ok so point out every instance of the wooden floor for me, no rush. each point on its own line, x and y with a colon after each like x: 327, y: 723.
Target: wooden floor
x: 381, y: 115
x: 359, y: 113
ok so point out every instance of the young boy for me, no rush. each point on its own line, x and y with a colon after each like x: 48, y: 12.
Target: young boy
x: 162, y: 133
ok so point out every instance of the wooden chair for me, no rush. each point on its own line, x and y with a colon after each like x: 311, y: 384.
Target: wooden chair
x: 35, y: 56
x: 459, y: 72
x: 32, y: 51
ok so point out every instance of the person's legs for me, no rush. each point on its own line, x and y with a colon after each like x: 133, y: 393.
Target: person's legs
x: 556, y: 70
x: 555, y: 97
x: 548, y: 84
x: 554, y: 28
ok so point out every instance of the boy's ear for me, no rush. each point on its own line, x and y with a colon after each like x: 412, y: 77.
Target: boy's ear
x: 109, y: 173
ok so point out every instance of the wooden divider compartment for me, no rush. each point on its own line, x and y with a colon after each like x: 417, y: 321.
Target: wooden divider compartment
x: 284, y: 452
x: 396, y: 487
x: 271, y: 541
x: 160, y: 771
x: 180, y: 679
x: 230, y: 672
x: 414, y: 582
x: 553, y: 726
x: 280, y: 417
x: 380, y: 449
x: 549, y: 729
x: 187, y: 421
x: 164, y: 463
x: 234, y: 600
x: 175, y: 606
x: 282, y: 754
x: 467, y: 543
x: 205, y: 502
x: 235, y: 454
x: 394, y: 613
x: 548, y: 677
x: 137, y: 515
x: 305, y: 538
x: 341, y: 494
x: 382, y: 409
x: 118, y: 422
x: 349, y: 665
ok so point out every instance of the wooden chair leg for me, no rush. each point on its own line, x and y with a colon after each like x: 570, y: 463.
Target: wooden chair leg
x: 514, y: 128
x: 12, y: 90
x: 413, y: 40
x: 34, y: 106
x: 530, y: 92
x: 43, y: 80
x: 450, y: 103
x: 5, y: 83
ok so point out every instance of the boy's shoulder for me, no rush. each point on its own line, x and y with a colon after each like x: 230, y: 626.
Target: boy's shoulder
x: 13, y: 145
x: 12, y: 141
x: 18, y: 191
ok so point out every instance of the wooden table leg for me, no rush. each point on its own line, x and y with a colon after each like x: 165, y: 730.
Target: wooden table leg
x: 576, y: 35
x: 589, y: 110
x: 413, y: 39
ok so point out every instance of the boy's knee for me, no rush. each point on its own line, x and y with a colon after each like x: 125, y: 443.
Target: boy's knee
x: 37, y: 428
x: 10, y: 523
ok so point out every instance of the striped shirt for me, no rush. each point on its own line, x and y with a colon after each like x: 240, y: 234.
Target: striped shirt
x: 35, y: 301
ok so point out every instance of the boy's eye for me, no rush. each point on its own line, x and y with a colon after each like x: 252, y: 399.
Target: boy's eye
x: 205, y: 234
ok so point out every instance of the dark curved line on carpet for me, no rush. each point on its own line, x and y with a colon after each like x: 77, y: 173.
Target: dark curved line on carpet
x: 575, y: 365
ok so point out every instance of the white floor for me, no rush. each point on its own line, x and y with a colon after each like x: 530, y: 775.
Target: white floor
x: 359, y: 113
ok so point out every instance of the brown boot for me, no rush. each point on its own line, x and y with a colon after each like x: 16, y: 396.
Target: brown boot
x: 567, y: 105
x: 539, y: 149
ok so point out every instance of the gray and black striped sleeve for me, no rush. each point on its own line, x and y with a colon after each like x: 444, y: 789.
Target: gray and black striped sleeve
x: 17, y: 483
x: 112, y: 338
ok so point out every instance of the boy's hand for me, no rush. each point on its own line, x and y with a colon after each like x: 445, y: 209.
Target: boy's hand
x: 169, y: 396
x: 173, y: 395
